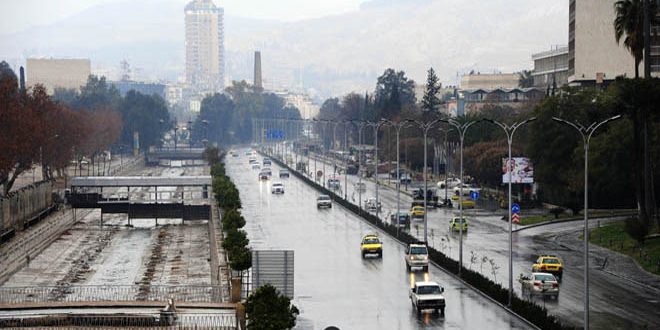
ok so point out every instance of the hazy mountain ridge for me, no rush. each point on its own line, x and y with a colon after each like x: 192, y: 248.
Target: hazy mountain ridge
x: 337, y: 53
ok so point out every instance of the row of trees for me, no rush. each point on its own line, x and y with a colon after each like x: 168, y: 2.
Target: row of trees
x: 227, y: 118
x: 35, y: 129
x: 140, y: 113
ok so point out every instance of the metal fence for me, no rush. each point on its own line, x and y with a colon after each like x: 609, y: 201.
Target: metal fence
x: 17, y: 295
x: 137, y: 321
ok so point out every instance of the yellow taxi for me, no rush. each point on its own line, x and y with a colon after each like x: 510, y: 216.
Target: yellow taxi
x: 371, y: 244
x: 417, y: 212
x: 548, y: 263
x: 467, y: 202
x: 456, y: 223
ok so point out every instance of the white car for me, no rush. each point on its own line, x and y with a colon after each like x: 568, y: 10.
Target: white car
x: 417, y: 255
x: 323, y: 201
x: 467, y: 189
x: 543, y: 284
x: 372, y: 205
x: 277, y: 188
x: 427, y: 295
x: 450, y: 183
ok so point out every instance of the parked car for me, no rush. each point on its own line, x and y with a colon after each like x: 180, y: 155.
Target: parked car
x: 323, y: 201
x: 456, y: 223
x: 371, y: 244
x: 417, y: 256
x: 427, y: 295
x: 277, y: 188
x: 544, y: 284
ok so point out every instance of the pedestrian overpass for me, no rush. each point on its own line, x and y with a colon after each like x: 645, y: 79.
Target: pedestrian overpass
x: 181, y: 155
x: 144, y: 197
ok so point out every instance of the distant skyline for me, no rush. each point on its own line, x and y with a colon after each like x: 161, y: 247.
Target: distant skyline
x: 35, y: 13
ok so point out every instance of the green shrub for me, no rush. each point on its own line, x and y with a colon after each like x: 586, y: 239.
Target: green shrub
x: 232, y: 219
x: 240, y: 259
x: 235, y: 239
x: 267, y: 309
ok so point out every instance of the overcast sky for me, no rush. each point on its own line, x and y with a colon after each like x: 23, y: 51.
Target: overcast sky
x: 22, y: 14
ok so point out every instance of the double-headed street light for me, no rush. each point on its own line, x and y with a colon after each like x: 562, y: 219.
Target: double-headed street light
x: 461, y: 128
x: 360, y: 125
x: 509, y: 130
x: 586, y: 133
x: 426, y: 126
x: 398, y: 126
x: 376, y: 126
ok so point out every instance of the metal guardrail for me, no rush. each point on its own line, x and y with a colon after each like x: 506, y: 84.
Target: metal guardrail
x: 17, y: 295
x: 141, y: 321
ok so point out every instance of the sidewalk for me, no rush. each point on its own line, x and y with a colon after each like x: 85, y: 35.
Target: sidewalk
x: 611, y: 262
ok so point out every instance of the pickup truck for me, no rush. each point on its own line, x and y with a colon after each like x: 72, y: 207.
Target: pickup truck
x: 427, y: 295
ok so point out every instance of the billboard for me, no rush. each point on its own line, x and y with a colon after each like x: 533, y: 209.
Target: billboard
x: 523, y: 171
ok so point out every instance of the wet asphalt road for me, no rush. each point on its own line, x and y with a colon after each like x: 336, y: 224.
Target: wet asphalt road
x: 615, y: 303
x: 333, y: 284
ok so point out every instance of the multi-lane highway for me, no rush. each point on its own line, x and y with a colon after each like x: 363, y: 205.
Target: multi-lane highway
x: 613, y: 301
x: 333, y: 284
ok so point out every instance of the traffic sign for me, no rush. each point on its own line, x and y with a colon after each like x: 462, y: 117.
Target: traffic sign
x: 474, y: 195
x: 515, y: 208
x: 515, y: 218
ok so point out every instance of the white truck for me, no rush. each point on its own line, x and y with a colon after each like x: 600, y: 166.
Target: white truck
x: 427, y: 295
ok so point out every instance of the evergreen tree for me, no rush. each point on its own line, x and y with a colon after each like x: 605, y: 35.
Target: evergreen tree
x: 430, y: 101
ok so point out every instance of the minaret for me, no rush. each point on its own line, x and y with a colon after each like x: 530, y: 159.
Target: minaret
x: 258, y: 84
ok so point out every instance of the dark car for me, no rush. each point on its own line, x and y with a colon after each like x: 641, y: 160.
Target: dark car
x: 403, y: 219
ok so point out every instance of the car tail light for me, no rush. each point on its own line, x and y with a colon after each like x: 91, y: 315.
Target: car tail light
x: 537, y: 283
x: 555, y: 285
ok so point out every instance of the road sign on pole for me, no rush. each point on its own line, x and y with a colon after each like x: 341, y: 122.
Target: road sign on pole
x: 515, y: 218
x: 515, y: 208
x: 474, y: 195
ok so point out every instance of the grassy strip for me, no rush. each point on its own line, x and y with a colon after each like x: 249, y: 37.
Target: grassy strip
x: 615, y: 238
x: 529, y: 310
x: 534, y: 219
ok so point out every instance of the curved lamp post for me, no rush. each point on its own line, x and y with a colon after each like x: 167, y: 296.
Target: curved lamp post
x: 586, y: 133
x: 510, y: 130
x: 398, y: 126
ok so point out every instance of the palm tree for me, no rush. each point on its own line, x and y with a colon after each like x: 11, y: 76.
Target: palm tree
x: 525, y: 79
x: 629, y: 21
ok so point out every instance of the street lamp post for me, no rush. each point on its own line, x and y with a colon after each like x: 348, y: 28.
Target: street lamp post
x: 586, y: 133
x: 426, y: 126
x: 461, y: 128
x: 509, y: 130
x: 360, y: 126
x: 376, y: 126
x: 398, y: 126
x: 345, y: 155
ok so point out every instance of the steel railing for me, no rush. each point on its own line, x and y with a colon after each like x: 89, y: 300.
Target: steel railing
x: 17, y: 295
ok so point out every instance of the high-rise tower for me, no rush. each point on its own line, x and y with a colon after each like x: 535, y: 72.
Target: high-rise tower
x: 205, y: 51
x: 258, y: 83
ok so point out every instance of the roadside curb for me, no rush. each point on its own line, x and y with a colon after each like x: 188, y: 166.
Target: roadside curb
x: 461, y: 280
x: 567, y: 220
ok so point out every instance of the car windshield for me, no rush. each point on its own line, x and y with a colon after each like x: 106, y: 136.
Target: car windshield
x: 553, y: 261
x: 371, y: 240
x: 418, y: 250
x: 459, y: 220
x: 324, y: 198
x: 277, y: 185
x: 544, y: 277
x: 429, y: 289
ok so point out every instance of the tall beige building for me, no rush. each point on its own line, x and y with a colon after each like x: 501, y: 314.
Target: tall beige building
x: 57, y: 73
x: 593, y: 53
x: 205, y: 49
